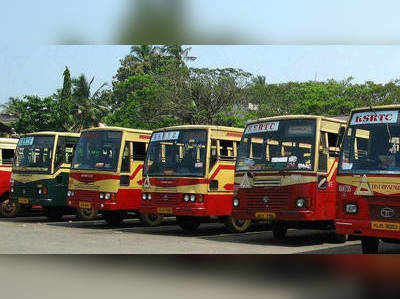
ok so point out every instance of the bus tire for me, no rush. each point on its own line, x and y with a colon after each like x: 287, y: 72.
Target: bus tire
x: 369, y: 245
x: 279, y: 231
x: 86, y: 214
x: 113, y: 218
x: 188, y: 224
x: 338, y: 238
x: 151, y: 219
x: 55, y: 214
x: 8, y: 209
x: 235, y: 225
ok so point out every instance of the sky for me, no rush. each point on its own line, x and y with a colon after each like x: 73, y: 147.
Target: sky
x: 37, y: 69
x: 292, y: 40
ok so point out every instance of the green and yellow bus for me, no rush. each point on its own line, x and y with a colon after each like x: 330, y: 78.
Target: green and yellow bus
x: 40, y: 172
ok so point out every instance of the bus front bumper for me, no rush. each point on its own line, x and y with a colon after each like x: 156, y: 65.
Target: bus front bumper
x: 368, y: 228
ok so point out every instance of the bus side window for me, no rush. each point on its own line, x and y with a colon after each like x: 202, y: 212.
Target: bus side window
x: 139, y: 151
x: 213, y: 154
x: 226, y: 150
x: 7, y: 156
x: 60, y: 152
x: 323, y: 153
x: 333, y: 145
x: 126, y: 161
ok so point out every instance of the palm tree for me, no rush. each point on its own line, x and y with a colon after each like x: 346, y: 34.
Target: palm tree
x: 143, y: 53
x: 86, y: 107
x: 259, y: 81
x: 181, y: 54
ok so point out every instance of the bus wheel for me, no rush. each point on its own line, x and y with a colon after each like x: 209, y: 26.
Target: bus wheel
x: 338, y: 238
x: 54, y: 213
x: 370, y: 245
x: 113, y: 218
x: 188, y: 224
x: 235, y: 225
x: 151, y: 219
x: 279, y: 232
x: 9, y: 209
x: 86, y: 214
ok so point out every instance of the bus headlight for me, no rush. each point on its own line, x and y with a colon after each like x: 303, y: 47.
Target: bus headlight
x: 186, y: 197
x: 12, y: 189
x: 192, y: 198
x: 351, y: 208
x: 101, y: 195
x: 236, y: 202
x: 144, y: 196
x: 148, y: 196
x: 70, y: 193
x: 107, y: 196
x: 301, y: 203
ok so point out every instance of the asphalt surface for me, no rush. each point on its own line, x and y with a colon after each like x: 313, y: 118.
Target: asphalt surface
x: 70, y: 236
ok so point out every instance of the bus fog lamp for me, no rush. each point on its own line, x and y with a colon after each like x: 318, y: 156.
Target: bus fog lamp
x: 351, y: 208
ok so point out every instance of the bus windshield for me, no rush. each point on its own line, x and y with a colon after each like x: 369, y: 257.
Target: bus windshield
x: 97, y: 150
x: 371, y: 144
x: 278, y: 145
x: 177, y: 153
x: 34, y: 154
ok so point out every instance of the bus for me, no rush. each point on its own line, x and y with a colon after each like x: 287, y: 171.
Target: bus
x: 106, y: 173
x: 285, y: 173
x: 188, y: 174
x: 369, y: 177
x: 7, y: 148
x: 40, y: 172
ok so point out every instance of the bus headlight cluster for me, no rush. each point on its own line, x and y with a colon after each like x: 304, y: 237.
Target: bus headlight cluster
x: 12, y: 189
x: 193, y: 198
x: 106, y: 196
x: 236, y: 202
x: 146, y: 196
x: 70, y: 193
x: 351, y: 208
x: 42, y: 190
x: 301, y: 203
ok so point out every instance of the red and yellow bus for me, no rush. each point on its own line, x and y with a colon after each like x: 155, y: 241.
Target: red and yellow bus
x: 7, y: 149
x: 106, y: 173
x: 188, y: 173
x: 286, y: 171
x: 369, y: 177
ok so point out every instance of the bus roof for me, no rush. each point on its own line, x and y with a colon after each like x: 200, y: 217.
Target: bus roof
x: 376, y: 108
x: 140, y: 131
x: 188, y: 127
x: 282, y: 117
x: 46, y: 133
x: 9, y: 140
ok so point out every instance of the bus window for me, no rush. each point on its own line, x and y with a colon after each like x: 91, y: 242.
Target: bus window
x: 126, y: 155
x: 333, y: 144
x: 7, y: 156
x: 323, y: 153
x: 226, y: 150
x: 213, y: 155
x: 139, y: 151
x: 65, y: 150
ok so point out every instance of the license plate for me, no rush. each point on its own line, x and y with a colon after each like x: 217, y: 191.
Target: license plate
x: 265, y: 216
x: 23, y: 200
x: 85, y: 205
x: 164, y: 210
x: 385, y: 226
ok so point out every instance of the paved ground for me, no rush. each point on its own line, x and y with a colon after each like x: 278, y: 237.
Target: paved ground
x: 37, y: 235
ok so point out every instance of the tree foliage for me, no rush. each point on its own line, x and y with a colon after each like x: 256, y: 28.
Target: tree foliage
x: 154, y: 87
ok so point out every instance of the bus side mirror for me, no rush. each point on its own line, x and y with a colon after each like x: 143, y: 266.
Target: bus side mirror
x: 214, y: 185
x: 342, y: 130
x: 124, y: 180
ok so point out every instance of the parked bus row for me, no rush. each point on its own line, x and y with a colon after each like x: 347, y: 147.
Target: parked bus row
x: 303, y: 172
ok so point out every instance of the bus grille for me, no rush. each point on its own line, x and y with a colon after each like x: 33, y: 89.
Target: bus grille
x: 270, y: 182
x: 382, y: 212
x: 277, y: 199
x: 20, y: 188
x: 164, y: 189
x: 87, y: 195
x: 166, y: 198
